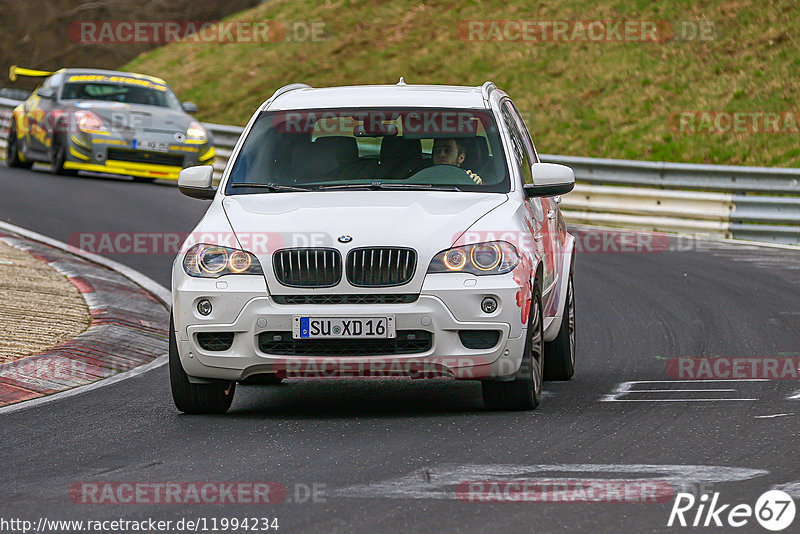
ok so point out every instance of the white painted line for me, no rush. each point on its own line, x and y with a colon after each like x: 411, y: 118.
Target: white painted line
x: 628, y: 388
x: 688, y: 381
x: 678, y: 400
x: 145, y: 282
x: 440, y: 482
x: 792, y: 488
x: 158, y: 362
x: 773, y: 415
x: 678, y: 390
x: 794, y: 396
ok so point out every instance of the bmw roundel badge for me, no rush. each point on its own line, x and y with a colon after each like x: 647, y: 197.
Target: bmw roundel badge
x: 345, y: 239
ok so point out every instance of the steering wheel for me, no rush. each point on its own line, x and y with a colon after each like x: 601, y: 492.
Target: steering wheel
x: 442, y: 174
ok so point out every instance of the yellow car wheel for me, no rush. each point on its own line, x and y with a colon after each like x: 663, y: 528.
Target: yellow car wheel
x: 14, y: 157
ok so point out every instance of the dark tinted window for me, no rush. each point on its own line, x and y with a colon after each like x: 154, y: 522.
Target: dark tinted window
x: 115, y: 92
x: 521, y: 157
x: 352, y: 147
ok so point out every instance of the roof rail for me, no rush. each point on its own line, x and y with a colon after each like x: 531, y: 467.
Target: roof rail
x: 486, y: 90
x: 290, y: 87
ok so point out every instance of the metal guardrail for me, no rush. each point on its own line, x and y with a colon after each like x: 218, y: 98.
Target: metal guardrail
x: 225, y: 137
x: 6, y: 105
x: 752, y: 203
x: 724, y: 178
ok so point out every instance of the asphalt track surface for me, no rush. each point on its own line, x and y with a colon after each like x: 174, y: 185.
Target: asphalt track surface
x: 387, y: 454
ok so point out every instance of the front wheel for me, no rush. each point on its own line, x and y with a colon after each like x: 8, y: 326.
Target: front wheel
x: 60, y: 147
x: 14, y: 156
x: 525, y: 391
x: 195, y: 398
x: 559, y: 354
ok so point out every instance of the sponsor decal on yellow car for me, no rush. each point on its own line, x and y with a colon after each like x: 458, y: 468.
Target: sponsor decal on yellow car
x: 144, y: 170
x: 116, y: 79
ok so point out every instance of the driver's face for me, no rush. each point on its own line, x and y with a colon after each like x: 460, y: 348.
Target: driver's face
x: 445, y: 151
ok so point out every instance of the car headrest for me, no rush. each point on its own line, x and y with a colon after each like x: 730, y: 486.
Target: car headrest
x: 324, y: 156
x: 345, y: 148
x: 400, y: 149
x: 477, y: 152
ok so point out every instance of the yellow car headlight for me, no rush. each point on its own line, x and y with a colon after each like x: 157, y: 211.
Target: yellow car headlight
x: 196, y: 132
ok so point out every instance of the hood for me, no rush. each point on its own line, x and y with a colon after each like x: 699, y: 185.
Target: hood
x: 129, y: 117
x: 427, y: 221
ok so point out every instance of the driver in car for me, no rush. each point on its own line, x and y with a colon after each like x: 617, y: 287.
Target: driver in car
x: 451, y: 151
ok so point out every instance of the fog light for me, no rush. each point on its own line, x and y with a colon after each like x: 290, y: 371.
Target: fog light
x: 204, y: 307
x: 488, y: 305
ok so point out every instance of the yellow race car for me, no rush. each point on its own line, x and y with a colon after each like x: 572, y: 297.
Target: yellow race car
x: 106, y: 121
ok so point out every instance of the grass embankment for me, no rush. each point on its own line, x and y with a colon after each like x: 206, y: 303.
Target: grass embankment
x: 598, y: 99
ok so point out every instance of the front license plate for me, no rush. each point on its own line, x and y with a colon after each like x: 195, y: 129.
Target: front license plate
x: 343, y: 327
x: 149, y: 144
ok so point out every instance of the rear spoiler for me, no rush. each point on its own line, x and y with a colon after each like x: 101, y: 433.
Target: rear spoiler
x: 15, y: 71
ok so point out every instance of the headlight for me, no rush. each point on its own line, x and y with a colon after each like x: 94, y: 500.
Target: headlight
x: 196, y: 132
x: 213, y: 261
x: 494, y: 257
x: 89, y: 122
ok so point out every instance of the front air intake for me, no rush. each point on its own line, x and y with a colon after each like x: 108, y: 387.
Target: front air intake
x: 215, y: 341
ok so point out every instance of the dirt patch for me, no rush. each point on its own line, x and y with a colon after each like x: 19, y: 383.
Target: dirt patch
x: 39, y: 307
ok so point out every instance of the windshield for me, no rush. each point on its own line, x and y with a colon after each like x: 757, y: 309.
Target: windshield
x: 142, y: 92
x: 320, y: 150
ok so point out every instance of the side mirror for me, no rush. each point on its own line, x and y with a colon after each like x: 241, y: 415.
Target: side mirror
x: 189, y: 107
x: 549, y: 179
x: 47, y: 94
x: 195, y: 182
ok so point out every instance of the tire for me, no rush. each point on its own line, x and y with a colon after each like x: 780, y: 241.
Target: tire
x: 195, y: 398
x: 559, y: 354
x: 525, y: 391
x: 12, y: 150
x: 60, y: 146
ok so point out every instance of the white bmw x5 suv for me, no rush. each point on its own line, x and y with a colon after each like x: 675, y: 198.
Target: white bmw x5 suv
x: 397, y: 230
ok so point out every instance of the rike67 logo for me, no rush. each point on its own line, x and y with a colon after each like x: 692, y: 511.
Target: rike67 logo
x: 774, y: 510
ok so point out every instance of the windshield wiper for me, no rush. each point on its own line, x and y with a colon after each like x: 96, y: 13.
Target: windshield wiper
x: 271, y: 186
x: 384, y: 185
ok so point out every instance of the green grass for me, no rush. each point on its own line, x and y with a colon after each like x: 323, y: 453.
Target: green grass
x: 580, y: 98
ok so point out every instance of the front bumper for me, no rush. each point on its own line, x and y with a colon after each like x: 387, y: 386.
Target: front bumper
x: 114, y: 154
x: 141, y: 170
x: 447, y: 304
